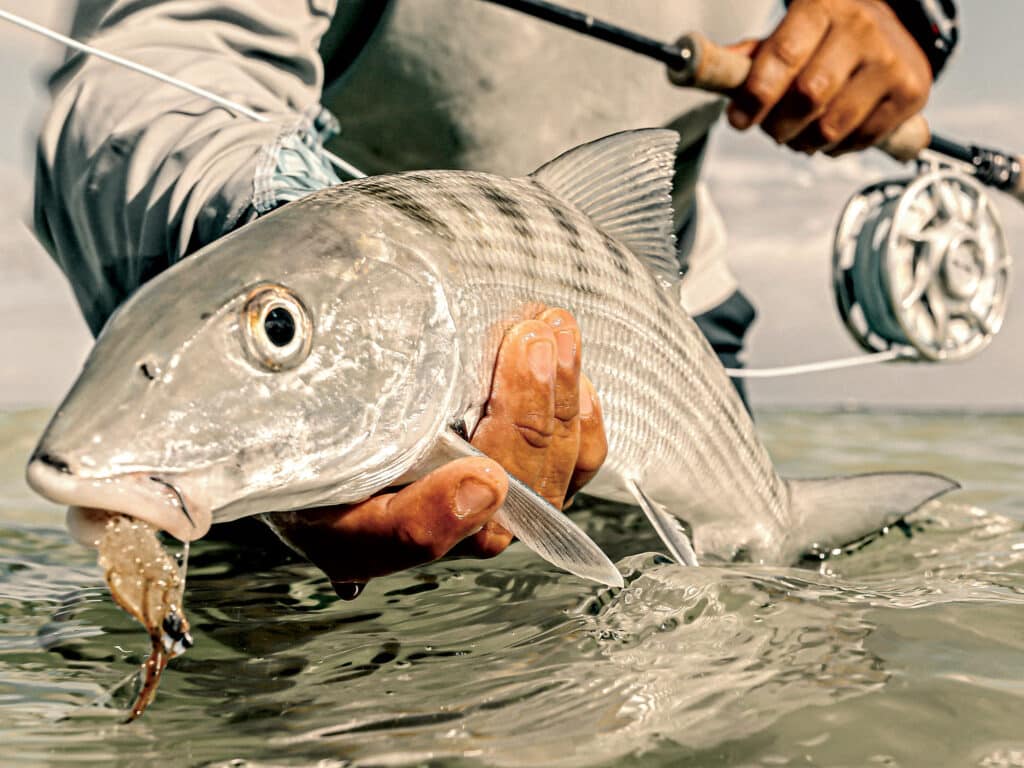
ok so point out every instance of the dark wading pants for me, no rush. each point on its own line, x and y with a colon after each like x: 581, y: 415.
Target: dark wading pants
x: 725, y: 326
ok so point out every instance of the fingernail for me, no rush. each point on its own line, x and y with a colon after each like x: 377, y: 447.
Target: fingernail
x: 541, y: 359
x: 473, y: 497
x: 586, y: 403
x: 739, y: 119
x: 566, y: 341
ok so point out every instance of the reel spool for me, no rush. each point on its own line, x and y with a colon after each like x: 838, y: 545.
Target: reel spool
x: 922, y: 264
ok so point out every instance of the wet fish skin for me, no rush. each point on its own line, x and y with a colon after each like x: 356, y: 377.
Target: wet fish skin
x: 410, y: 281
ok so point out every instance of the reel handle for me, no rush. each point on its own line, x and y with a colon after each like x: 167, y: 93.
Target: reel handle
x: 714, y: 68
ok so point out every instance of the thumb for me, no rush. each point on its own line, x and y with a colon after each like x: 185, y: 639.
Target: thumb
x: 450, y: 503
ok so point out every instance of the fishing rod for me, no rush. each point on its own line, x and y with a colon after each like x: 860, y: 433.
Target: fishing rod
x: 696, y: 62
x: 947, y: 305
x: 920, y: 267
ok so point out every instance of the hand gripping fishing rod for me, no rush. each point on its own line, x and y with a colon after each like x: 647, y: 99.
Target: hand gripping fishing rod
x: 908, y: 286
x: 920, y: 265
x: 695, y: 62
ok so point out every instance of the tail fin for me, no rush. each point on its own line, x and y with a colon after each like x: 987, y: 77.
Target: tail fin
x: 837, y: 511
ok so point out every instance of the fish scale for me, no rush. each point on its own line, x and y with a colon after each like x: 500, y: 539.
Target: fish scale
x: 669, y: 409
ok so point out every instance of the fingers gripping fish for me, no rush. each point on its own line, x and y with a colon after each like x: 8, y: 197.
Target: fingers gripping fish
x: 318, y: 355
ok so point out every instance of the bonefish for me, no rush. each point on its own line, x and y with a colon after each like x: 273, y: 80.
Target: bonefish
x: 319, y: 355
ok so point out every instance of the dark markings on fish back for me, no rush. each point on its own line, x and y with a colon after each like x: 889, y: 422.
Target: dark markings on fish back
x: 567, y: 227
x: 618, y: 252
x: 420, y: 179
x: 389, y: 190
x: 457, y: 202
x: 508, y: 207
x: 677, y: 348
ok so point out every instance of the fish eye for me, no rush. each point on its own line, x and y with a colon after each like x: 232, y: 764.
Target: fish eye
x: 276, y: 328
x: 279, y: 325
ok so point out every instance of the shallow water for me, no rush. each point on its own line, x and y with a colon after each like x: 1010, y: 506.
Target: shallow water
x: 909, y: 652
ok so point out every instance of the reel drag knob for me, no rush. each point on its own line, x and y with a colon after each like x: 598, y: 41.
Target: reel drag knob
x: 922, y: 263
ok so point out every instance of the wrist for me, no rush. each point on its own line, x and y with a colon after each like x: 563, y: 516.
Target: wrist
x: 933, y: 24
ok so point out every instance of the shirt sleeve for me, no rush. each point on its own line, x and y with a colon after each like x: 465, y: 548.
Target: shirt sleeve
x: 134, y: 174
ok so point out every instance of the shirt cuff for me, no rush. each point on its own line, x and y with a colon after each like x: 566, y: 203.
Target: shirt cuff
x: 294, y: 164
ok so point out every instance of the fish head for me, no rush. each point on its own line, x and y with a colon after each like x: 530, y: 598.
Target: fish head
x: 308, y: 358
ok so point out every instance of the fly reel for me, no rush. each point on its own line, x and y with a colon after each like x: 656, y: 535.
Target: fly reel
x: 921, y: 264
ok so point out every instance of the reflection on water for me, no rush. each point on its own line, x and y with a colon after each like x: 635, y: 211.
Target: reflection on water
x: 908, y: 652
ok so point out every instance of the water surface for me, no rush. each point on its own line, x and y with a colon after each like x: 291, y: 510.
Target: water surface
x: 908, y: 652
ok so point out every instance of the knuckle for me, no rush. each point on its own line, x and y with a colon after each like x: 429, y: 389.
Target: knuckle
x: 786, y: 49
x: 536, y: 429
x: 834, y: 127
x: 422, y: 540
x: 813, y: 88
x: 819, y: 8
x: 911, y: 90
x: 887, y: 59
x: 567, y: 406
x: 859, y: 20
x: 759, y: 90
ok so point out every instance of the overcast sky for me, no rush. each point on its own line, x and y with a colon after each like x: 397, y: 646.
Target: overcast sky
x: 780, y: 209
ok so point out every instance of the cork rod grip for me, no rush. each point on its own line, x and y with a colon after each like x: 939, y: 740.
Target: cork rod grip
x: 722, y: 70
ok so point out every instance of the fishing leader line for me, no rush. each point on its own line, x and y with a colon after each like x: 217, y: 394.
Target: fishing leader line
x: 156, y: 74
x: 874, y: 356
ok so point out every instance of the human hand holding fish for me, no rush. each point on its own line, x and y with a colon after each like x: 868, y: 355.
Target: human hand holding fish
x: 382, y: 331
x: 542, y: 424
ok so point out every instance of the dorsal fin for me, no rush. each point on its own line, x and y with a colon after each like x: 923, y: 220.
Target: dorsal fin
x: 624, y: 183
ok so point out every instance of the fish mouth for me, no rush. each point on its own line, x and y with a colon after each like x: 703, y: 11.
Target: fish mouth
x: 165, y: 502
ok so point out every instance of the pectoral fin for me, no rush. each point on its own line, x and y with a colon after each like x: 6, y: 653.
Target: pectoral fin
x: 667, y: 526
x: 544, y: 529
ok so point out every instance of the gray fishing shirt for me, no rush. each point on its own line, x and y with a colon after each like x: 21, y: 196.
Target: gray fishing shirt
x: 134, y: 174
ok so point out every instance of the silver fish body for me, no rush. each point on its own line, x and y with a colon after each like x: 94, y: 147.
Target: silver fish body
x: 674, y: 421
x: 399, y: 288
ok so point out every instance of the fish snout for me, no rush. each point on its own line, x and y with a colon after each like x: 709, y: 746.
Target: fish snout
x: 164, y: 502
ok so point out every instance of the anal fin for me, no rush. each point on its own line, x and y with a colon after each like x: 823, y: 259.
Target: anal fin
x: 667, y: 526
